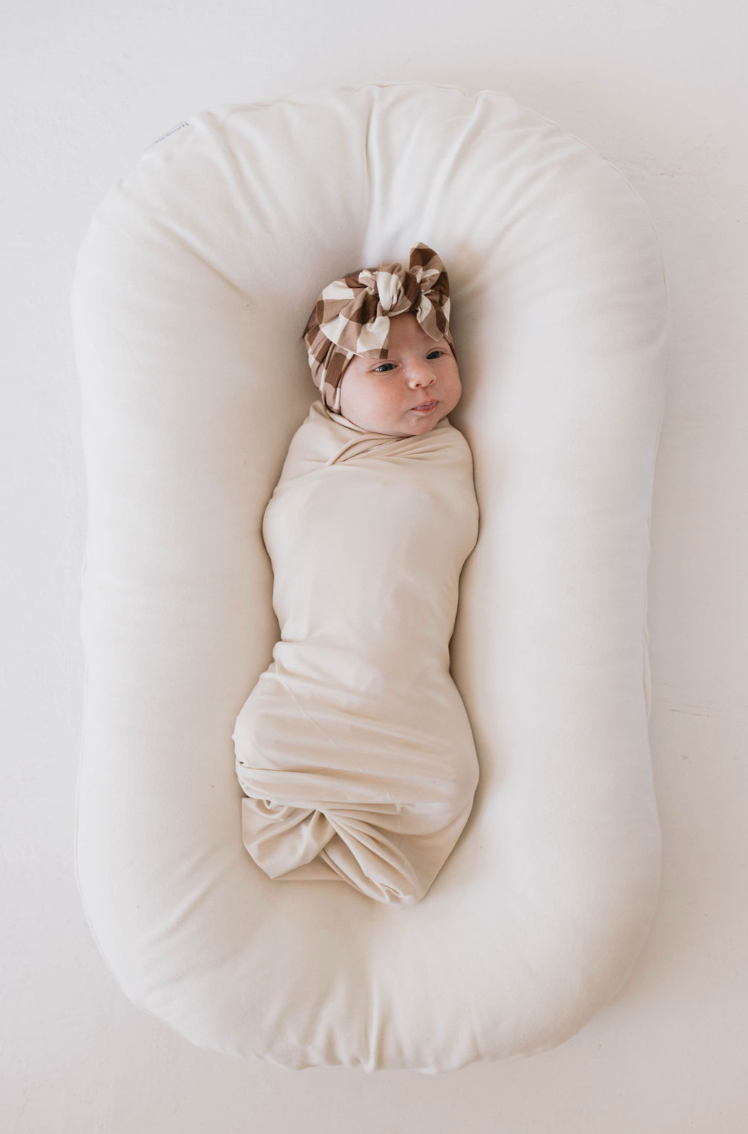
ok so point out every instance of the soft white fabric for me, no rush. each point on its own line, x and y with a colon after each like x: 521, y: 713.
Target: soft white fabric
x: 191, y: 292
x: 354, y: 748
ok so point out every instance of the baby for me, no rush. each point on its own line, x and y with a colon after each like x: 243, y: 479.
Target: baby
x: 354, y: 750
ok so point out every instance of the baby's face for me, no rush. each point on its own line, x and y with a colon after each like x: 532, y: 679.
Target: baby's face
x: 380, y: 394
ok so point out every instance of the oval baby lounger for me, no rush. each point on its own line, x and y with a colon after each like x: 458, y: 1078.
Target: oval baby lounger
x: 192, y: 288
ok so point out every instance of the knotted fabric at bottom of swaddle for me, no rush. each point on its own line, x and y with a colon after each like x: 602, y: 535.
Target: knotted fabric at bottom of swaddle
x: 354, y: 749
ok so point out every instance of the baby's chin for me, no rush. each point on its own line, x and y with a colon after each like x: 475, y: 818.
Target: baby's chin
x: 426, y: 424
x: 418, y: 424
x: 409, y: 424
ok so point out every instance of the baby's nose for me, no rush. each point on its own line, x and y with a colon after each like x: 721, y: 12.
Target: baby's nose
x: 420, y: 370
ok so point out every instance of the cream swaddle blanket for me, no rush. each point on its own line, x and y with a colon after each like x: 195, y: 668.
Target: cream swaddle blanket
x: 354, y: 749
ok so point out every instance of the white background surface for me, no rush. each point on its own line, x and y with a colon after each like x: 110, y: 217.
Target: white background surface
x: 658, y: 89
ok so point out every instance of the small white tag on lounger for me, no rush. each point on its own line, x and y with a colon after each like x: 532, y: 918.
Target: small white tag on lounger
x: 178, y: 126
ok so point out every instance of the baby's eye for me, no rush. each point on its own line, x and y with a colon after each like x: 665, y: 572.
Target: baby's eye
x: 436, y: 350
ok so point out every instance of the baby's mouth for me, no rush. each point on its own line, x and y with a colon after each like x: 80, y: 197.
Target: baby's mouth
x: 425, y: 407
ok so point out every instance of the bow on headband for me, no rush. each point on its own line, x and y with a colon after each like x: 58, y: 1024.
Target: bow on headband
x: 352, y: 315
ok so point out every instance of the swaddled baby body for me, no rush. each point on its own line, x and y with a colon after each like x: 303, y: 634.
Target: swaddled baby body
x: 354, y: 750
